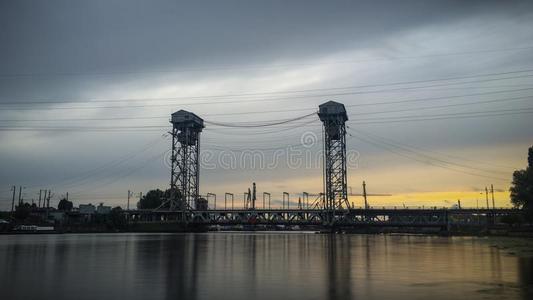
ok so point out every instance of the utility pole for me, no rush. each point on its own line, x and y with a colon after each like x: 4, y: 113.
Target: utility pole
x: 487, y: 196
x: 288, y: 199
x: 48, y: 199
x: 305, y: 199
x: 47, y: 203
x: 492, y: 192
x: 214, y: 202
x: 13, y: 201
x: 40, y: 196
x: 254, y: 196
x: 246, y: 199
x: 226, y: 200
x: 20, y: 195
x: 364, y: 194
x: 129, y: 194
x: 266, y: 194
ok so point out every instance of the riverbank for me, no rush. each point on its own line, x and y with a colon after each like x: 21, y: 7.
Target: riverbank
x: 170, y: 227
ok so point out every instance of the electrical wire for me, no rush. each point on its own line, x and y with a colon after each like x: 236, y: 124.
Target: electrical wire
x: 248, y: 125
x: 75, y: 180
x: 263, y: 66
x: 424, y: 161
x: 426, y: 99
x: 66, y: 100
x: 414, y: 150
x: 439, y: 117
x: 500, y: 112
x: 241, y: 100
x: 433, y: 151
x: 128, y: 173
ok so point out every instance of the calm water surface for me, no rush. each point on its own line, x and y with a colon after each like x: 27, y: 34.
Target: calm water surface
x: 258, y: 266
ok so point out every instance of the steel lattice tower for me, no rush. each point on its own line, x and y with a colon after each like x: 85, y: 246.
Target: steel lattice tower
x: 185, y: 168
x: 333, y: 116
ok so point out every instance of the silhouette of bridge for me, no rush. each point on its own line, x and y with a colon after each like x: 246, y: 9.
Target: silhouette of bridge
x: 384, y: 217
x: 330, y: 209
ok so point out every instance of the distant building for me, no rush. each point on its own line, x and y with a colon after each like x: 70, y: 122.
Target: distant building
x: 87, y: 209
x: 103, y: 210
x: 57, y: 216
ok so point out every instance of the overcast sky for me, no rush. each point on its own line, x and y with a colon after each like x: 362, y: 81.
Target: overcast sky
x: 439, y: 93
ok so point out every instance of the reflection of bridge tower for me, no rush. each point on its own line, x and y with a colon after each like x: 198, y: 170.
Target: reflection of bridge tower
x: 339, y: 266
x: 185, y: 169
x: 333, y: 116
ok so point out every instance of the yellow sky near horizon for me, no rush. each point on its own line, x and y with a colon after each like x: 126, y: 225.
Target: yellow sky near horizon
x: 469, y: 199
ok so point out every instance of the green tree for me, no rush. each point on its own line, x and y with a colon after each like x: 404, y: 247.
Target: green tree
x: 117, y: 218
x: 65, y: 205
x: 530, y: 158
x: 522, y: 186
x: 153, y: 199
x: 22, y: 211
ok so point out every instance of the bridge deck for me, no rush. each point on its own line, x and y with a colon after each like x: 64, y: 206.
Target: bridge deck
x: 345, y: 217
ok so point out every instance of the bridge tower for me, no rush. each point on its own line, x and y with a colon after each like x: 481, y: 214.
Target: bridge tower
x: 333, y: 116
x: 185, y: 164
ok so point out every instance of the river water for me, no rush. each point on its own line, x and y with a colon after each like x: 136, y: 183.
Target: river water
x: 259, y: 266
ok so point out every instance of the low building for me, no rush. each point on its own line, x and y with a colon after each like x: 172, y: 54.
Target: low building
x: 103, y: 210
x: 87, y: 209
x: 58, y: 216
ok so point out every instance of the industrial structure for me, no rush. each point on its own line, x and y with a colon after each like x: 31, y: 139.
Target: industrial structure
x: 185, y: 164
x: 440, y: 218
x: 184, y: 209
x: 329, y: 209
x: 333, y: 116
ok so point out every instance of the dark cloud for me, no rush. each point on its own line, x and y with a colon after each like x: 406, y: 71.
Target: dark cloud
x: 107, y: 36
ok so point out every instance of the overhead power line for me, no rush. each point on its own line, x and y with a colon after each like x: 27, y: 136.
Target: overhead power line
x: 262, y: 66
x: 408, y: 118
x: 439, y: 153
x: 284, y: 93
x: 416, y: 118
x: 424, y: 154
x: 301, y: 97
x: 98, y: 171
x: 425, y: 99
x: 248, y: 125
x: 444, y: 106
x: 128, y: 173
x: 438, y: 98
x: 398, y: 151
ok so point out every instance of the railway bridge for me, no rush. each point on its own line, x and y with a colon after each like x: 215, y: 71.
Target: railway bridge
x: 348, y: 218
x: 331, y: 209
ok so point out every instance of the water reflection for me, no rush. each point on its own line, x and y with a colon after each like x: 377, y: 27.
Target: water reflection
x: 258, y: 266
